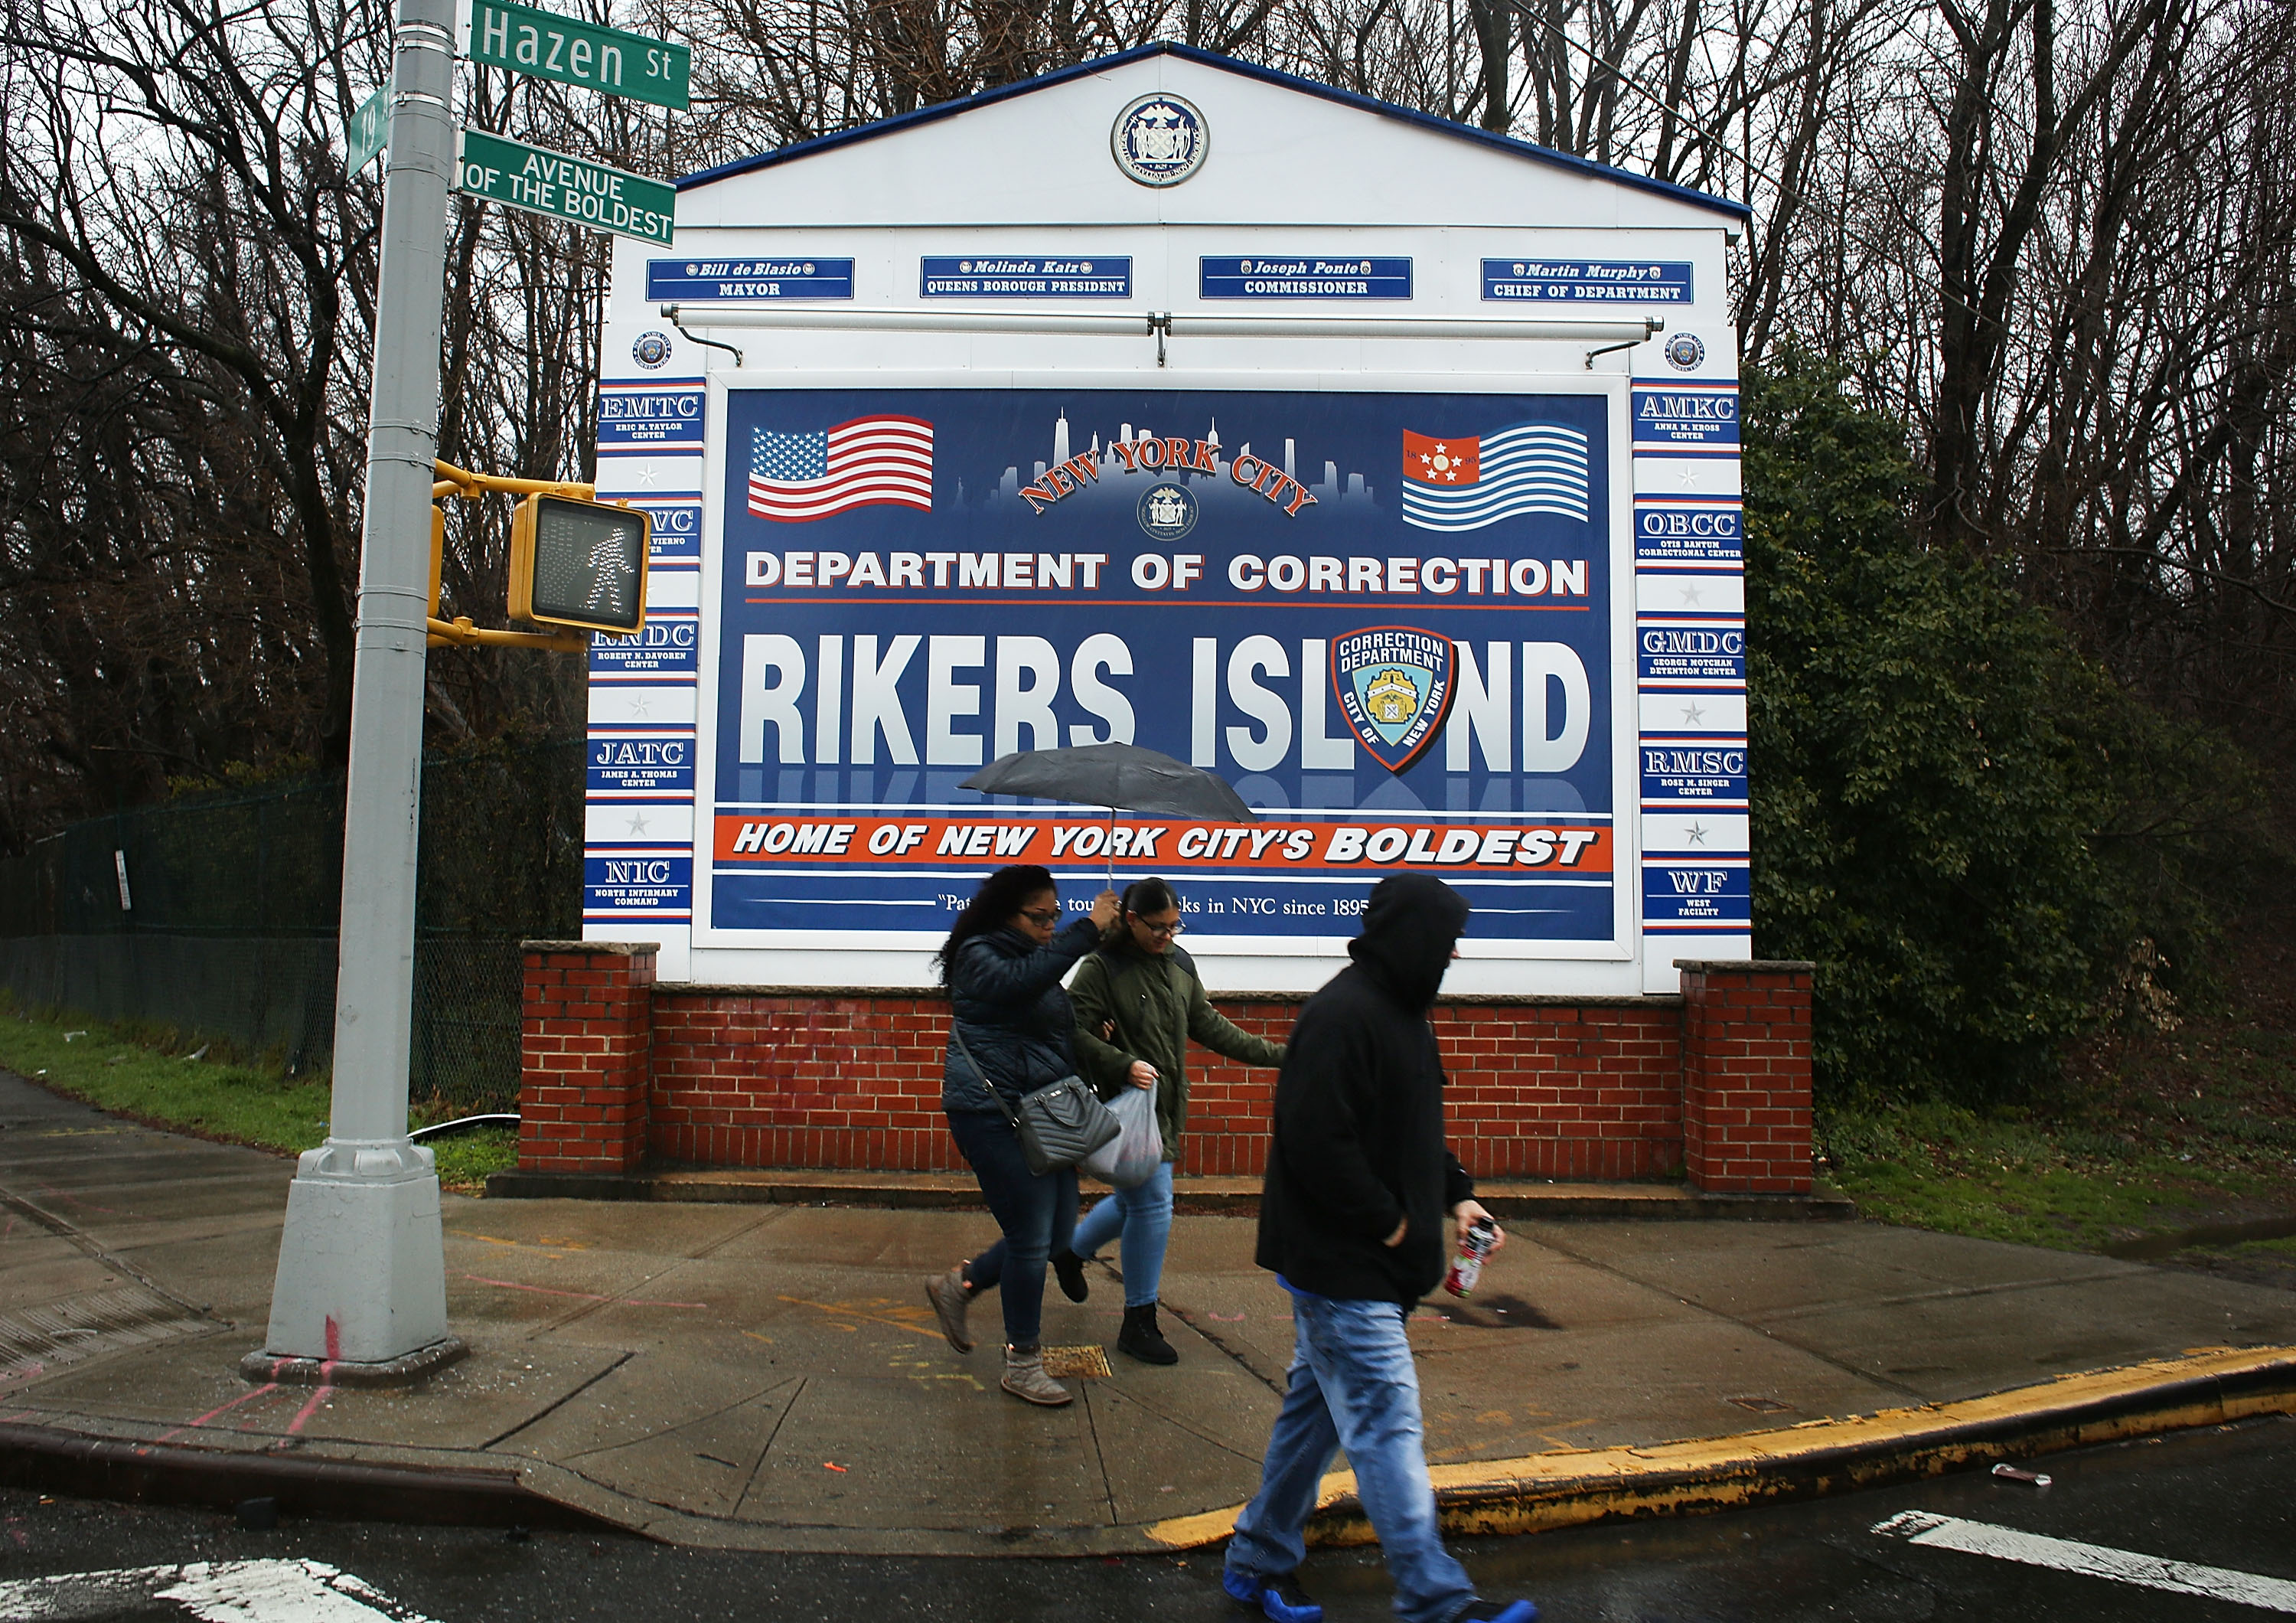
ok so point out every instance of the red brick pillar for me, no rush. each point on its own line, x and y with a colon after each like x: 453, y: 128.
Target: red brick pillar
x: 587, y: 1060
x: 1745, y: 1076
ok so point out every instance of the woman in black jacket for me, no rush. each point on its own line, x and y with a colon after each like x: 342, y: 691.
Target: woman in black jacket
x: 1010, y: 1034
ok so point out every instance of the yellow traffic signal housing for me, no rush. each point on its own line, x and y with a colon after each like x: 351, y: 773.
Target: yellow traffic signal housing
x: 577, y: 563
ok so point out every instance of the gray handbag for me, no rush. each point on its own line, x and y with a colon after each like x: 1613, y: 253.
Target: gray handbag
x: 1059, y: 1124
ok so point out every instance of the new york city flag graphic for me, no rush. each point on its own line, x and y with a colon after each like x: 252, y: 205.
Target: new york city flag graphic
x: 1466, y: 484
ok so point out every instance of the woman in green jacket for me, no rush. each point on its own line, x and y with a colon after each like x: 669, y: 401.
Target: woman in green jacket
x: 1137, y: 1003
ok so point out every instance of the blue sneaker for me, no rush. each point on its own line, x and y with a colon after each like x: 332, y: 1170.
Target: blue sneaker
x: 1280, y: 1597
x: 1490, y: 1611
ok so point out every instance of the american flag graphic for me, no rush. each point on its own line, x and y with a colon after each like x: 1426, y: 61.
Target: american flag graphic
x: 868, y: 462
x: 1465, y: 484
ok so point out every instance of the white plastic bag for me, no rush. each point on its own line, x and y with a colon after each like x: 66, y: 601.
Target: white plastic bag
x: 1131, y: 1157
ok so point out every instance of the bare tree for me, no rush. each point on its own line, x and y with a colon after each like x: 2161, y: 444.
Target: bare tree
x: 186, y: 345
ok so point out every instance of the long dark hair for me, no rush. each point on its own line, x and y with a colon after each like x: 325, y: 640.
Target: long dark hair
x: 992, y: 907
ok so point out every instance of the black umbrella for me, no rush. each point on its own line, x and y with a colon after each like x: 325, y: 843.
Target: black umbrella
x: 1114, y: 774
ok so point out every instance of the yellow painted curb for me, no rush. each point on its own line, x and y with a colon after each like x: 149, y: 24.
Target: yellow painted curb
x: 2207, y: 1386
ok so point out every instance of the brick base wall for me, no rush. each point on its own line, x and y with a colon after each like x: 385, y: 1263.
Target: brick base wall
x: 586, y: 1055
x: 1745, y: 1076
x: 1577, y: 1088
x: 1539, y: 1089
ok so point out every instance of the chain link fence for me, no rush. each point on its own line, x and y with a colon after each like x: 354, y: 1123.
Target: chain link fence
x: 215, y: 916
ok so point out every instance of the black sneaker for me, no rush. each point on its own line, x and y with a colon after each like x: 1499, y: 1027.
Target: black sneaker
x: 1280, y: 1597
x: 1495, y: 1611
x: 1068, y: 1268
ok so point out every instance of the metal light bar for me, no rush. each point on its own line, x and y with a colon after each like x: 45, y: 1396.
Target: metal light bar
x: 1193, y: 324
x: 1161, y: 323
x: 824, y: 318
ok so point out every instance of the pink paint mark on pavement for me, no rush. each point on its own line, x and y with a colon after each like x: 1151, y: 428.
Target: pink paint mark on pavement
x: 244, y: 1398
x: 320, y: 1397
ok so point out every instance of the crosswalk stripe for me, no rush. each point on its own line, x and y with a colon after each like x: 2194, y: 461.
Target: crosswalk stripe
x: 2093, y: 1561
x: 214, y: 1592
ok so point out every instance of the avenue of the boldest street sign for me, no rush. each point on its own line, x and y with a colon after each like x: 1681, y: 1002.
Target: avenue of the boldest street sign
x: 542, y: 182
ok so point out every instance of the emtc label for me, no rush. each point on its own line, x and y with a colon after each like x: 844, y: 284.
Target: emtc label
x: 631, y: 415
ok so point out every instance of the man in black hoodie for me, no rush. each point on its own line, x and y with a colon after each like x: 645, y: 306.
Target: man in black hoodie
x: 1352, y: 1221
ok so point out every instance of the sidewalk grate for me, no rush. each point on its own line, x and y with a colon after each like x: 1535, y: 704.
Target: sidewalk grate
x: 1077, y: 1363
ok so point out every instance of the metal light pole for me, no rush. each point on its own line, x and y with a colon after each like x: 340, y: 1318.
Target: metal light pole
x: 362, y: 1270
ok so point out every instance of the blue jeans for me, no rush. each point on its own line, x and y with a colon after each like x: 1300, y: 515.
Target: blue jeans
x: 1142, y: 1214
x: 1353, y: 1386
x: 1037, y: 1213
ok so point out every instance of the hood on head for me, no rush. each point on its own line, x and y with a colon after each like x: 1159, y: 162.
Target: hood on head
x: 1409, y: 927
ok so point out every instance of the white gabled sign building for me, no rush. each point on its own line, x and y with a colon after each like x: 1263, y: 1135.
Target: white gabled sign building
x: 1384, y: 467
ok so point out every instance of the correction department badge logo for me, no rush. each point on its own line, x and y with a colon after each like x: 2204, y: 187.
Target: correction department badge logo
x: 1167, y: 512
x: 1394, y: 685
x: 1685, y: 351
x: 1159, y: 140
x: 652, y: 350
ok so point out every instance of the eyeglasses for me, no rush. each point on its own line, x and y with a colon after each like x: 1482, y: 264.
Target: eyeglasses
x: 1166, y: 930
x: 1040, y: 915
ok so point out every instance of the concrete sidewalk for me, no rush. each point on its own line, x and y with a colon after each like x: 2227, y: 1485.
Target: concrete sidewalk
x: 768, y: 1376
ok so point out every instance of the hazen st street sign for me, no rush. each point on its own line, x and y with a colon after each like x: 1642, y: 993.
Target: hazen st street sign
x: 550, y: 182
x: 507, y: 35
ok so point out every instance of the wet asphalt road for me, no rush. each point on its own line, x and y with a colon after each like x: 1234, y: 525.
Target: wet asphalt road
x: 2224, y: 1497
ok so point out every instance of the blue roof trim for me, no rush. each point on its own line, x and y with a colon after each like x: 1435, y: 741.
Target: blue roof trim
x: 1345, y: 98
x: 929, y: 115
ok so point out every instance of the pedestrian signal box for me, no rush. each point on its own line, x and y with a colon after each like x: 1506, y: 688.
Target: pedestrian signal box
x: 578, y: 563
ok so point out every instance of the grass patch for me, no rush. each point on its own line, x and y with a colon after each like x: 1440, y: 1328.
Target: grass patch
x: 1942, y: 1168
x: 105, y: 1066
x: 466, y: 1157
x: 2149, y: 1132
x: 96, y: 1062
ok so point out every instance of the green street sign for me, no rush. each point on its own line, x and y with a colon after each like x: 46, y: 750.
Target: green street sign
x: 505, y: 33
x: 565, y: 188
x: 369, y: 130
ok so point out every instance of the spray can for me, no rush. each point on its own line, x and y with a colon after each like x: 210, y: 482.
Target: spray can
x: 1467, y: 1266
